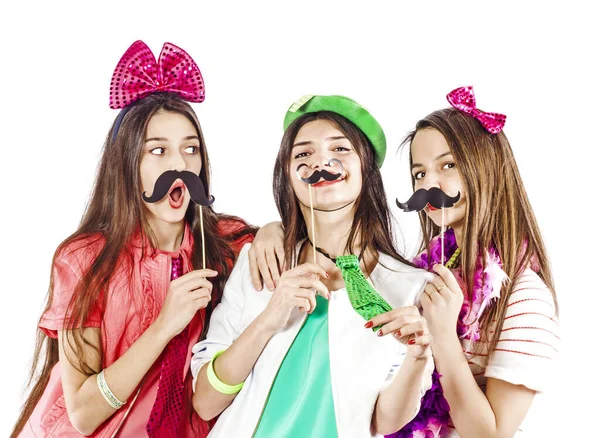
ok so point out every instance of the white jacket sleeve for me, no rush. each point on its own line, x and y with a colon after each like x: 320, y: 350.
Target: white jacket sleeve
x: 412, y: 285
x: 224, y: 325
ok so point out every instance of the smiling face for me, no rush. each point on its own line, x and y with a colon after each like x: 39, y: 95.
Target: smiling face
x: 171, y: 143
x: 316, y: 143
x: 433, y: 166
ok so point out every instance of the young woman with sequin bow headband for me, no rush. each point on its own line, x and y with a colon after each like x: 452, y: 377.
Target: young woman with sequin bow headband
x: 492, y: 309
x: 129, y: 295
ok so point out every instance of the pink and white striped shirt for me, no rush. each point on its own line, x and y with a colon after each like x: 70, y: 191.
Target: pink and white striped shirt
x: 529, y: 341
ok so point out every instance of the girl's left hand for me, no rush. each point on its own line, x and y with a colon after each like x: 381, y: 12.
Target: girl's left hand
x: 442, y: 301
x: 408, y: 327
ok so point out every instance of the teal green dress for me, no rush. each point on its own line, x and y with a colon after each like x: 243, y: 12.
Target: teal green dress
x: 300, y: 403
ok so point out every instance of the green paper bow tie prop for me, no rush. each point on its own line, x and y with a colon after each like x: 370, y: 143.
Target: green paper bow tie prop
x: 363, y: 297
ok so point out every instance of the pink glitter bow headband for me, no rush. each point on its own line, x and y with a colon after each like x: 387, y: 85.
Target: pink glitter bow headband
x: 463, y: 99
x: 138, y: 74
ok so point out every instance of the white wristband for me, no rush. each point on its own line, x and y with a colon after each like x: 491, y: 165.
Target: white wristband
x: 107, y: 393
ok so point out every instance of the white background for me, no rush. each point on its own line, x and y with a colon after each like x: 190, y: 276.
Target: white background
x: 534, y: 61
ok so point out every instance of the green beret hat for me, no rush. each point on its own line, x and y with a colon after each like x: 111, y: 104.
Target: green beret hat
x: 347, y: 108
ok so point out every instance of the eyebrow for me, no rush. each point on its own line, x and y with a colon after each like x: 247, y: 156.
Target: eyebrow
x: 304, y: 143
x: 189, y: 137
x: 435, y: 159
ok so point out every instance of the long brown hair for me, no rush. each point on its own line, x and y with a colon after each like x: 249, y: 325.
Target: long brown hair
x: 498, y: 212
x: 372, y: 217
x: 114, y: 213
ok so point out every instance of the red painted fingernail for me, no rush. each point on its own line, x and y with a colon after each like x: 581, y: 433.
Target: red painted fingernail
x: 327, y: 275
x: 399, y: 333
x: 369, y: 324
x: 379, y: 333
x: 411, y: 342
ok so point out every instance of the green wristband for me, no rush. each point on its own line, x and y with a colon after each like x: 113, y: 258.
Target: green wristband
x: 216, y: 383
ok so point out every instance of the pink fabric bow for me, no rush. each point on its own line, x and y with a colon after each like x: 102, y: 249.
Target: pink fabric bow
x: 463, y: 99
x: 138, y: 74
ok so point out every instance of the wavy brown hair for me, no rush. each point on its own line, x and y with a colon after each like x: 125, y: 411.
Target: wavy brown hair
x: 114, y: 213
x: 498, y: 213
x: 372, y: 217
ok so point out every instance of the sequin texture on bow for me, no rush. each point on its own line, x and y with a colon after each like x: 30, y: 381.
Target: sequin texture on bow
x: 463, y: 99
x: 138, y: 74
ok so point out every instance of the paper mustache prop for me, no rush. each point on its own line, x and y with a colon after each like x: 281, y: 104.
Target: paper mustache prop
x: 434, y: 197
x: 162, y: 187
x: 192, y: 181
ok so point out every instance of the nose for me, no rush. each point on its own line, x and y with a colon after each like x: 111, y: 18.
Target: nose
x: 320, y: 160
x: 431, y: 180
x: 177, y: 161
x: 429, y: 186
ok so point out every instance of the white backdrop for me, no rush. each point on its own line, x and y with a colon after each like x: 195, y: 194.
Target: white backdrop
x: 533, y: 61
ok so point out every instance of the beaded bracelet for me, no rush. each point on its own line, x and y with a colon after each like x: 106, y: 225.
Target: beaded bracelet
x: 216, y: 383
x: 110, y: 398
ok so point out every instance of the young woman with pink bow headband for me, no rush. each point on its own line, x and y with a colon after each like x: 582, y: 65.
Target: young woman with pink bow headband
x: 492, y: 308
x: 131, y: 290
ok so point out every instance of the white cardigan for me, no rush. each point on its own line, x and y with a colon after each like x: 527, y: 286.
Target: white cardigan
x: 362, y: 364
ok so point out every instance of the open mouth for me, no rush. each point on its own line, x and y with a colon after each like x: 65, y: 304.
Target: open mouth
x: 324, y: 183
x: 176, y: 194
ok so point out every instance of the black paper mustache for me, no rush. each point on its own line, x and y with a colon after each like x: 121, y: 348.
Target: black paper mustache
x: 191, y: 180
x: 434, y: 197
x: 318, y: 174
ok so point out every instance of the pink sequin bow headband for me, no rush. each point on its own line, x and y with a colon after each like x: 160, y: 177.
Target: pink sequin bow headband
x: 463, y: 99
x: 138, y: 74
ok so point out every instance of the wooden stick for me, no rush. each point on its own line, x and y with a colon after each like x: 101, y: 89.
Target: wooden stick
x: 312, y: 218
x: 443, y: 220
x: 202, y: 232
